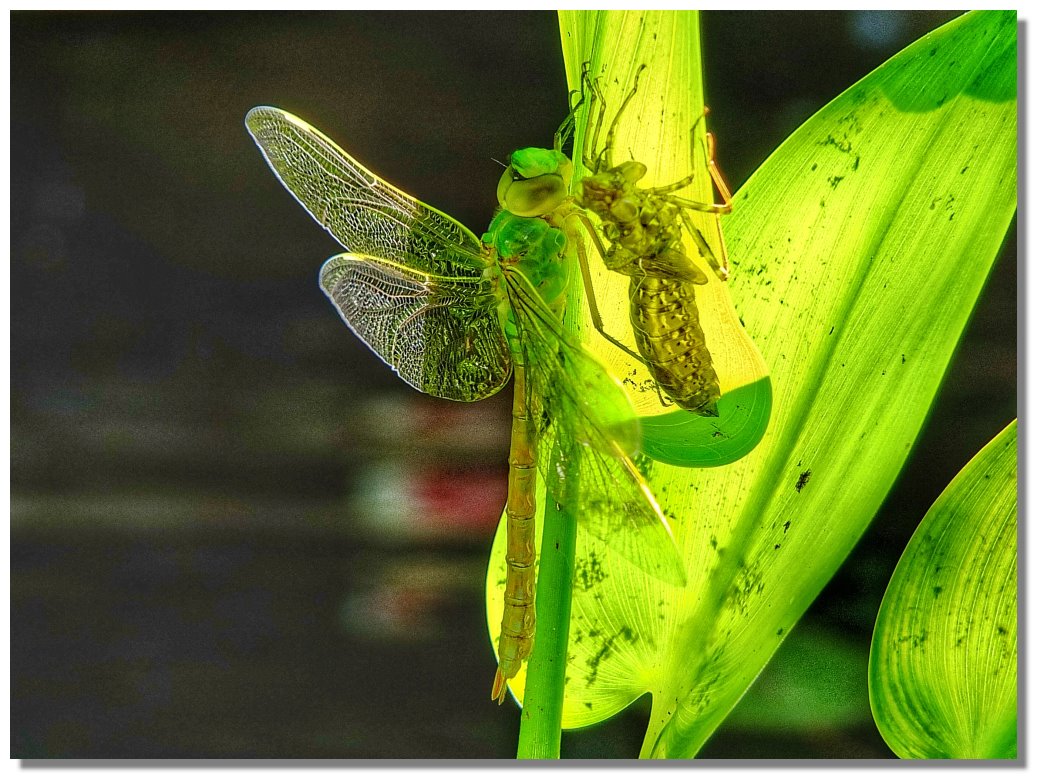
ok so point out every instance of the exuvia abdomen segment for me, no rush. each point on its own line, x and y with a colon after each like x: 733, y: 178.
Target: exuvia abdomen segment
x: 670, y: 339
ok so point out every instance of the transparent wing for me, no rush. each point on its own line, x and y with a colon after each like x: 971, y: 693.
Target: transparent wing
x: 363, y: 213
x: 441, y: 335
x: 588, y: 426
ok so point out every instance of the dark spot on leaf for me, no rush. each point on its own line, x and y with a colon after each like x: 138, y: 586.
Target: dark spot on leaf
x: 834, y: 181
x: 937, y: 591
x: 781, y: 632
x: 777, y: 547
x: 1002, y: 630
x: 833, y: 329
x: 786, y: 526
x: 831, y: 140
x: 588, y: 573
x: 607, y: 649
x: 802, y: 481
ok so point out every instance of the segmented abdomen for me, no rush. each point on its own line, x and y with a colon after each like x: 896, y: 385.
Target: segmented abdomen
x: 666, y: 329
x: 517, y: 629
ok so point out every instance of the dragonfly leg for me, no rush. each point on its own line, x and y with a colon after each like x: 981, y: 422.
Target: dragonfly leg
x: 591, y: 297
x: 609, y: 140
x: 714, y: 170
x: 724, y: 206
x: 709, y: 149
x: 567, y: 128
x: 590, y: 139
x: 587, y: 224
x: 719, y: 266
x: 699, y: 206
x: 673, y: 186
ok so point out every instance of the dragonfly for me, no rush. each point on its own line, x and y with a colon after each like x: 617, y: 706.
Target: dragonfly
x: 456, y: 316
x: 644, y: 229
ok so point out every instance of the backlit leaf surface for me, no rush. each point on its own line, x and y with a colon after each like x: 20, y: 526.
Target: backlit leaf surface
x: 858, y: 251
x: 943, y: 669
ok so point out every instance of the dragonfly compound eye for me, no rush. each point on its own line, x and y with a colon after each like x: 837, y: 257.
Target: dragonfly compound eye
x: 535, y: 183
x: 529, y: 198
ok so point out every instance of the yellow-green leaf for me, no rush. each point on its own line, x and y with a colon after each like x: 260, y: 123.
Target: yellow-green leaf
x: 858, y: 251
x: 943, y: 667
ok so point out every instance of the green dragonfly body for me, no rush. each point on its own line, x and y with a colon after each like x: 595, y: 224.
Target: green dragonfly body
x: 455, y: 316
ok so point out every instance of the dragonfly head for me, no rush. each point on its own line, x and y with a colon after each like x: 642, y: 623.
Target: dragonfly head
x: 535, y: 183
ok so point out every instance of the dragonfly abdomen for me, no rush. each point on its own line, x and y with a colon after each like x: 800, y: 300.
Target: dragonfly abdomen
x: 517, y: 630
x: 669, y: 337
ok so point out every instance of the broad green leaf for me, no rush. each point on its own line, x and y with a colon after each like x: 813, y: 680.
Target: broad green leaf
x: 858, y: 252
x: 943, y: 667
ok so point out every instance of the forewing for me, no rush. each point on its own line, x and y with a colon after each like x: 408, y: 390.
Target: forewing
x: 441, y: 335
x: 588, y: 426
x: 366, y: 215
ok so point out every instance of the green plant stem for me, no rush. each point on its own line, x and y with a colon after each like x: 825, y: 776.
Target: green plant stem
x: 540, y: 734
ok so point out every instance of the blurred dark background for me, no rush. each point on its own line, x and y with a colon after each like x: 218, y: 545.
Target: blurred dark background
x: 235, y: 533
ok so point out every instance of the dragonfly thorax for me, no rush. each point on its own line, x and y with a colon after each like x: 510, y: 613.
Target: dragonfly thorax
x: 533, y: 247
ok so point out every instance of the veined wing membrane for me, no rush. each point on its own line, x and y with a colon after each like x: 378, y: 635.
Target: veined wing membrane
x: 366, y: 215
x: 592, y: 431
x: 440, y: 334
